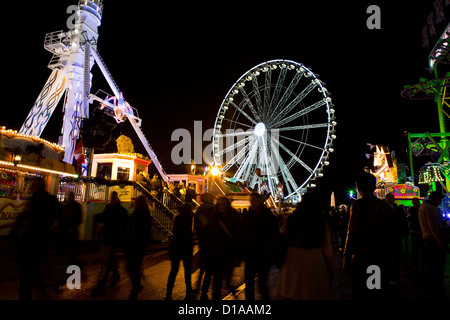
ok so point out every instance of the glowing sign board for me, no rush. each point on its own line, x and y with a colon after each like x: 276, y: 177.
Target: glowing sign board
x: 403, y: 191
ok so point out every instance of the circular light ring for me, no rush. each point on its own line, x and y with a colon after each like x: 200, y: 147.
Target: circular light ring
x: 259, y: 70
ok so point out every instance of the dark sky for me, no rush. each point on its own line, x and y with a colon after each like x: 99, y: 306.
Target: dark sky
x: 175, y: 63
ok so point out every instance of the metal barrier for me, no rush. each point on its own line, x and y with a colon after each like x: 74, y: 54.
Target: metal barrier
x: 162, y: 208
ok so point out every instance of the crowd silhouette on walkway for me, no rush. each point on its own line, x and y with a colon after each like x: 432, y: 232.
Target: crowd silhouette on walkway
x: 373, y: 232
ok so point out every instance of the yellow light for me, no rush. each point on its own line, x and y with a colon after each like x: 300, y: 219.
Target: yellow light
x: 47, y: 170
x: 6, y: 163
x: 3, y: 130
x: 215, y: 171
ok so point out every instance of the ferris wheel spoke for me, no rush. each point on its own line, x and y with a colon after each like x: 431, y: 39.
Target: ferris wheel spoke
x: 287, y: 176
x: 239, y: 123
x: 300, y: 113
x: 242, y: 112
x: 249, y: 103
x: 288, y: 92
x: 235, y: 134
x: 233, y: 146
x: 295, y: 102
x: 259, y: 104
x: 244, y: 170
x: 237, y: 156
x: 267, y: 165
x: 303, y: 143
x: 304, y: 127
x: 267, y: 83
x: 304, y: 165
x: 278, y: 87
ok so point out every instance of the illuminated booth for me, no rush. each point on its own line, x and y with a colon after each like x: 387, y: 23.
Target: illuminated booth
x: 116, y: 166
x: 386, y: 172
x: 198, y: 182
x: 23, y: 158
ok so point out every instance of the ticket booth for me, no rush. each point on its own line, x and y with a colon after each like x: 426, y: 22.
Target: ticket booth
x: 116, y: 166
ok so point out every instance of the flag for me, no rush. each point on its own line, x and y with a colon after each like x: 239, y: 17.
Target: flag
x: 79, y: 153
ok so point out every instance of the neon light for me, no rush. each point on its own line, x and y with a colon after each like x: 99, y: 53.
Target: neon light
x: 403, y: 191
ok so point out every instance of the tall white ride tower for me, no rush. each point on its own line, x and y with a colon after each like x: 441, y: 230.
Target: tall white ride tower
x: 74, y: 53
x: 70, y: 75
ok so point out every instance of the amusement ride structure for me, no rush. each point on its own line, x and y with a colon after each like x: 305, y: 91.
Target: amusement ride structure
x: 276, y: 120
x: 435, y: 146
x: 74, y: 54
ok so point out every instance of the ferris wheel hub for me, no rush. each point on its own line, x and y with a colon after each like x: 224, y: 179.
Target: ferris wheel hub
x: 260, y: 129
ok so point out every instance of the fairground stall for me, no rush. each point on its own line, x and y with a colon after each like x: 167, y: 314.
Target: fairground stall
x: 110, y: 172
x: 22, y: 158
x: 385, y: 169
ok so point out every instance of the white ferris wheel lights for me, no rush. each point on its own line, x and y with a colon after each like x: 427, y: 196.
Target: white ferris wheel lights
x: 276, y: 105
x: 260, y: 129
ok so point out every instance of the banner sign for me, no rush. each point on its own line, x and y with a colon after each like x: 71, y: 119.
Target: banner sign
x: 403, y: 191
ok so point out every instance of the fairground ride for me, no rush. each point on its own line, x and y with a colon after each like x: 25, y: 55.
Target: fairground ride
x: 435, y: 146
x: 276, y: 125
x: 74, y: 54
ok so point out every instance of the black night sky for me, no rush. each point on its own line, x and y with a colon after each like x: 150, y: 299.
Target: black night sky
x: 175, y: 63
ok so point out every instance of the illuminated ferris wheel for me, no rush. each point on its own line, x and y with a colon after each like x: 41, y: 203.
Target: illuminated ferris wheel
x: 275, y: 125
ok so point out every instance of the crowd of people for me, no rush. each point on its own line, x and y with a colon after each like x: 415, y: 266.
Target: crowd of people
x: 373, y: 232
x: 45, y: 228
x: 46, y: 235
x: 301, y: 248
x: 225, y: 238
x: 377, y: 232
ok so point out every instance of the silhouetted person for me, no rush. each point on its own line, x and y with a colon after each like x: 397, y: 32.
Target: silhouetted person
x: 400, y: 233
x: 259, y: 229
x: 344, y: 217
x: 434, y: 244
x: 33, y: 231
x: 225, y: 226
x: 140, y: 225
x: 333, y: 223
x: 72, y: 220
x: 190, y: 194
x: 141, y: 179
x: 114, y: 218
x: 181, y: 249
x: 370, y: 240
x: 147, y: 180
x: 416, y: 232
x: 306, y: 271
x: 176, y: 189
x: 205, y: 213
x: 154, y: 185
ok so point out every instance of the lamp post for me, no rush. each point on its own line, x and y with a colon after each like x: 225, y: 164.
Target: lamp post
x: 17, y: 159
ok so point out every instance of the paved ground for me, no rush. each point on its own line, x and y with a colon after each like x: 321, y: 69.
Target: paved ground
x: 156, y: 268
x: 412, y: 284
